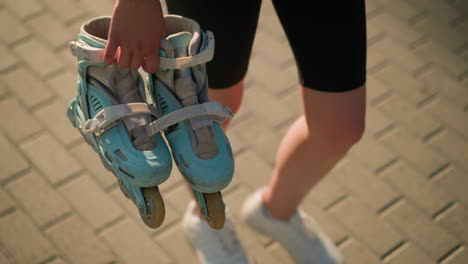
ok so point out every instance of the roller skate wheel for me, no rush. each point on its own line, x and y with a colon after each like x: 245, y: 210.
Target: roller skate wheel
x: 154, y: 207
x: 216, y: 215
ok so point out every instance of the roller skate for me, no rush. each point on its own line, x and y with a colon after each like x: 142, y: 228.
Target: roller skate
x: 190, y: 122
x: 111, y: 112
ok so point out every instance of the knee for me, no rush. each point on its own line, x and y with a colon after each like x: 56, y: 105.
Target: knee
x: 339, y: 138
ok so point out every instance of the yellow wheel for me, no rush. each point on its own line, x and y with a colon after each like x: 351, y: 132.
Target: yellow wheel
x: 154, y: 207
x: 216, y: 215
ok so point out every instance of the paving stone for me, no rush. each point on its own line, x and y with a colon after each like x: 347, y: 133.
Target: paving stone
x: 64, y: 84
x: 90, y: 201
x: 433, y: 29
x: 237, y: 144
x: 53, y: 117
x: 102, y: 8
x: 5, y: 201
x: 396, y: 28
x: 446, y: 86
x: 451, y: 115
x: 271, y: 49
x: 454, y: 181
x: 260, y: 73
x: 5, y: 259
x: 454, y: 220
x: 50, y: 157
x: 234, y: 200
x: 418, y: 228
x: 453, y: 145
x: 8, y: 59
x: 401, y: 56
x: 327, y: 191
x: 400, y: 9
x: 78, y: 242
x: 398, y: 80
x: 3, y: 90
x: 458, y: 257
x: 23, y: 240
x: 270, y: 111
x: 408, y: 253
x: 56, y: 260
x: 376, y: 121
x: 366, y: 225
x: 91, y: 161
x: 174, y: 242
x: 408, y: 116
x: 375, y: 59
x: 44, y: 204
x: 266, y: 146
x: 57, y: 34
x: 447, y: 60
x: 375, y: 89
x: 355, y: 253
x: 330, y: 225
x: 416, y: 187
x: 421, y: 156
x: 67, y: 58
x: 23, y: 8
x: 11, y: 161
x: 179, y: 198
x: 29, y: 89
x: 361, y: 182
x: 133, y: 245
x: 65, y: 10
x: 11, y: 29
x: 18, y: 123
x: 38, y: 56
x: 251, y: 175
x: 372, y: 152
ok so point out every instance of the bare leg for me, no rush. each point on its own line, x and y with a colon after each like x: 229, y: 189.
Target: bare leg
x: 315, y: 142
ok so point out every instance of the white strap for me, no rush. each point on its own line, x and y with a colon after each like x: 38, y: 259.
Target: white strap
x: 213, y: 109
x: 106, y: 118
x: 94, y: 55
x: 204, y: 56
x: 85, y: 52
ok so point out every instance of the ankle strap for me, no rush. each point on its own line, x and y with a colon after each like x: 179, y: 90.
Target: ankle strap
x: 90, y: 54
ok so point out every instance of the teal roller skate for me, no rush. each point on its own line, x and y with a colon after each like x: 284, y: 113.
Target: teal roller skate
x: 111, y: 113
x: 191, y: 123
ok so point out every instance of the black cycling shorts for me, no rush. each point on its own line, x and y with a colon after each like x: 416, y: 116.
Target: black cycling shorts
x: 328, y: 39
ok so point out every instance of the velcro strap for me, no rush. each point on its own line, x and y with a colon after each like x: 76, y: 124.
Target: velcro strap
x: 85, y: 52
x: 90, y: 54
x: 204, y: 56
x: 107, y: 117
x: 213, y: 109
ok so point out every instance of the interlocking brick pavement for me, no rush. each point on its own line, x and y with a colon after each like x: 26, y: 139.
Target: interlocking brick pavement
x: 398, y: 197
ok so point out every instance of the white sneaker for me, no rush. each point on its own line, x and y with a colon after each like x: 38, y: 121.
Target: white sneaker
x: 213, y: 246
x: 300, y: 235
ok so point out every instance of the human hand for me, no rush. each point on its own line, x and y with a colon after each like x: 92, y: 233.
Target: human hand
x: 134, y: 34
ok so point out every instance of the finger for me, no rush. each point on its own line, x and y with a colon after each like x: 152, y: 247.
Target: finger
x: 151, y: 63
x: 136, y: 60
x: 110, y: 51
x: 125, y: 57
